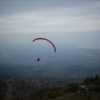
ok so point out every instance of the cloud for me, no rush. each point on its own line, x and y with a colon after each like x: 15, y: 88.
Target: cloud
x: 84, y: 16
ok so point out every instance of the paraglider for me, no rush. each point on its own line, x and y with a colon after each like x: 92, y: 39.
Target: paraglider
x: 47, y: 41
x: 38, y: 59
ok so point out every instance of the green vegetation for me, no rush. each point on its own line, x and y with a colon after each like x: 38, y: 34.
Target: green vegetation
x: 54, y: 92
x: 95, y: 80
x: 93, y: 83
x: 69, y: 91
x: 3, y: 89
x: 48, y: 92
x: 75, y: 96
x: 35, y: 89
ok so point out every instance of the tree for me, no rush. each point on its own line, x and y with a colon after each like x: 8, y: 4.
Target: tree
x: 96, y: 77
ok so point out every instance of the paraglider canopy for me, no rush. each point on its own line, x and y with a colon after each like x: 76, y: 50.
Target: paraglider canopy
x: 47, y: 41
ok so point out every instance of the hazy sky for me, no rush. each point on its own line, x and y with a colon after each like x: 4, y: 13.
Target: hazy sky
x: 74, y: 20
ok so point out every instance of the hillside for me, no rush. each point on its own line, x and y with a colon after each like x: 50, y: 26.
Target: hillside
x: 71, y: 91
x: 75, y: 96
x: 36, y: 89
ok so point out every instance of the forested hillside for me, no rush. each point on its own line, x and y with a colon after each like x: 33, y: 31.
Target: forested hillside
x: 35, y: 89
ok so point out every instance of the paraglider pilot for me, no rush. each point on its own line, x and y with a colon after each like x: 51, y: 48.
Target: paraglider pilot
x: 38, y: 59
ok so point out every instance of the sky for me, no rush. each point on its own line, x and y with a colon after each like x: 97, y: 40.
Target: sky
x: 71, y: 21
